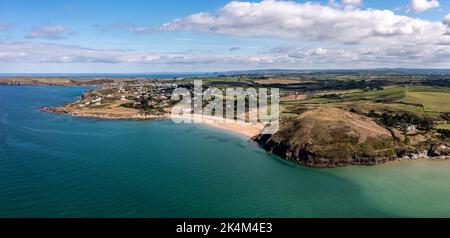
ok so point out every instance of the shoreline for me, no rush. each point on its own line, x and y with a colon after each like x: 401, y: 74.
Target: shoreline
x: 249, y: 131
x: 244, y: 129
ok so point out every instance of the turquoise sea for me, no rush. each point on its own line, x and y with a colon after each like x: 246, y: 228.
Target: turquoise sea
x: 58, y: 166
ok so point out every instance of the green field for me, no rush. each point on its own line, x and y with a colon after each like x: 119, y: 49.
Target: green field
x: 443, y: 126
x: 431, y: 101
x: 418, y: 100
x: 389, y: 94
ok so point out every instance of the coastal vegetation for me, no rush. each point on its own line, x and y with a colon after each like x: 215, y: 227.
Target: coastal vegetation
x: 328, y: 119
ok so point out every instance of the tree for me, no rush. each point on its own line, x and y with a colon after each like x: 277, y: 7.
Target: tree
x: 426, y: 124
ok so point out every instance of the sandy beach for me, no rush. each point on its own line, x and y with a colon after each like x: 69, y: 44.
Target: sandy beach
x: 248, y: 130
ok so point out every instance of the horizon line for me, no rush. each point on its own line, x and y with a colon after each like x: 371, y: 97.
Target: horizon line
x: 224, y: 71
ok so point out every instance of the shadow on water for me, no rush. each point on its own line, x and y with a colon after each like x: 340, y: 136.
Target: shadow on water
x: 339, y: 197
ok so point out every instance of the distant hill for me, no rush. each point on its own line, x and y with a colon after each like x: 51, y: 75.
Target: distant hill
x: 338, y: 71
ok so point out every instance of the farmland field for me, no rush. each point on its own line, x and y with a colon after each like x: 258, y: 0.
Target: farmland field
x: 443, y: 126
x: 432, y: 101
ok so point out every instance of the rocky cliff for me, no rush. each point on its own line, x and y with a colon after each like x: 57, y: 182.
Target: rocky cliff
x: 331, y: 137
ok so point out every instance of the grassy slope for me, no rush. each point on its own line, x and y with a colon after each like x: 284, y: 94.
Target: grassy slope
x: 431, y: 101
x: 332, y: 137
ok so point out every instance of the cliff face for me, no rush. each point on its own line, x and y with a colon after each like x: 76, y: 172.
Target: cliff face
x: 330, y: 137
x: 53, y: 81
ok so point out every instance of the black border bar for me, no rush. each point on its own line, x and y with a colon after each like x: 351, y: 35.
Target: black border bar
x: 149, y: 227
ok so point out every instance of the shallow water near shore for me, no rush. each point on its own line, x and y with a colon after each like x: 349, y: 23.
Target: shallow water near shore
x: 59, y: 166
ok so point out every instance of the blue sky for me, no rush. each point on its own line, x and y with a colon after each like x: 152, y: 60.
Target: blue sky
x: 144, y: 36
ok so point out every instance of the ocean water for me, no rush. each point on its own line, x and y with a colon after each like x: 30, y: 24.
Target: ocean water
x: 58, y: 166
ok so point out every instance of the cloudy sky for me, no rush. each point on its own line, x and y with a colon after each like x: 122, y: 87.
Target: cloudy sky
x: 100, y: 36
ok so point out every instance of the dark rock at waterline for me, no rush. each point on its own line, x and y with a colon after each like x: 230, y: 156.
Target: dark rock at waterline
x: 331, y: 137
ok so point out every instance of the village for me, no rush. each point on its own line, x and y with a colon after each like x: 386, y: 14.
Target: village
x: 146, y: 95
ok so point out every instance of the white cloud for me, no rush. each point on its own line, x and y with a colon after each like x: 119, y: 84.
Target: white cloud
x: 29, y: 52
x: 352, y: 2
x: 447, y: 20
x: 422, y: 5
x: 337, y: 37
x: 48, y: 31
x: 370, y: 57
x: 59, y: 55
x: 309, y: 22
x: 126, y: 27
x: 142, y: 29
x: 344, y: 3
